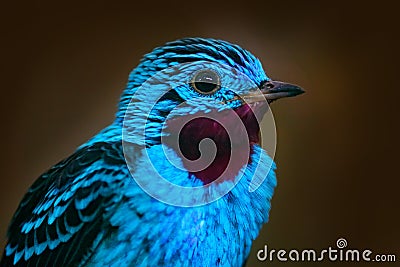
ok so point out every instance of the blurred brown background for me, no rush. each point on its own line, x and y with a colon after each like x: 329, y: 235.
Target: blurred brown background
x: 65, y: 65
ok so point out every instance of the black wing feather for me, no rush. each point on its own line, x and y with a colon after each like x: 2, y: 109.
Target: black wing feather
x: 64, y: 211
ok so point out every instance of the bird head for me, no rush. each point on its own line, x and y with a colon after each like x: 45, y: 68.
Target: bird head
x: 194, y: 89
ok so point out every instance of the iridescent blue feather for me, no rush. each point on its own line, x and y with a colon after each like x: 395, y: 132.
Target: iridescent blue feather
x: 88, y: 211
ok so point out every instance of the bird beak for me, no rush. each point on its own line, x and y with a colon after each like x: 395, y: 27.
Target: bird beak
x: 273, y: 90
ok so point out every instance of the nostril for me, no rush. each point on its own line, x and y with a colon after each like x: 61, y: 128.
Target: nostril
x: 269, y: 85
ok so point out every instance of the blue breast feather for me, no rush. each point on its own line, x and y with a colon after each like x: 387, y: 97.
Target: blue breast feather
x: 87, y: 211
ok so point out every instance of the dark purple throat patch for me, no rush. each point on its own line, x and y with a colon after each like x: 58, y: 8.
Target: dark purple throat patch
x: 234, y: 148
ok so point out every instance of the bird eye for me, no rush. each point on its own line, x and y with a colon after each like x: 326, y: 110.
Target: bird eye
x: 206, y: 82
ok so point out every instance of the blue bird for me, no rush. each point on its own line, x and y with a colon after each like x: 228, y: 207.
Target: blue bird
x: 106, y: 206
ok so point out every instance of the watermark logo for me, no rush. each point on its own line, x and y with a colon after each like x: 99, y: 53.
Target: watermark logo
x: 154, y: 116
x: 340, y: 253
x: 341, y: 243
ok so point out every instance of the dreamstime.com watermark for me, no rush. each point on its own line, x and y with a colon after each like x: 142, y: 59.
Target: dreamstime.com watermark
x: 334, y: 254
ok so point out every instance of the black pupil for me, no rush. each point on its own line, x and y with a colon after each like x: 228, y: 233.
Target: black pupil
x: 206, y: 81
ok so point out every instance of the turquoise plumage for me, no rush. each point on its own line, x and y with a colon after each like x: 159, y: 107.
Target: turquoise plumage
x: 92, y: 209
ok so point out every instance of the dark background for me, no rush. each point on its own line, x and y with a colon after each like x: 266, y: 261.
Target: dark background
x: 65, y: 65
